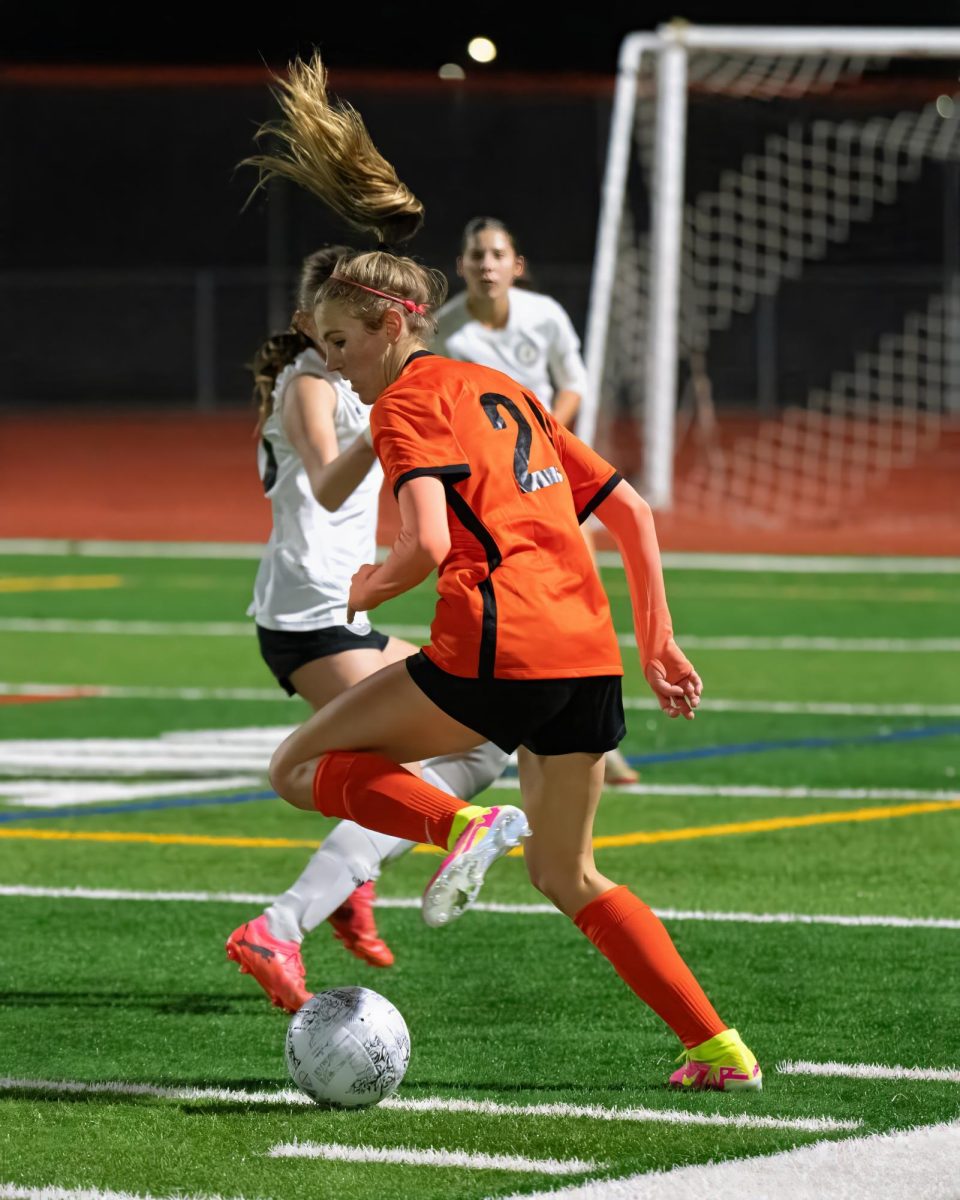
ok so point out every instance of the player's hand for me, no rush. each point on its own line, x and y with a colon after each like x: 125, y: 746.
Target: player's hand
x: 678, y: 699
x: 360, y: 599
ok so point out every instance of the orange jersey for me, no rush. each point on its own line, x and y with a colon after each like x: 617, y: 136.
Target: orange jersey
x: 519, y: 596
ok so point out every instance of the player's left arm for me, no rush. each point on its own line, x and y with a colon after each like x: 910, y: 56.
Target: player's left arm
x: 568, y: 371
x: 566, y: 405
x: 671, y: 676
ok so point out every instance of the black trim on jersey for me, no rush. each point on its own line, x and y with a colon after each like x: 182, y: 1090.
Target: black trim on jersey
x: 599, y: 497
x: 488, y: 633
x: 535, y: 409
x: 270, y: 474
x: 417, y: 354
x: 454, y: 473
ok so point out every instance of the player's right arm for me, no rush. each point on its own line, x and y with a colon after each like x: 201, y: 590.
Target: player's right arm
x: 308, y: 407
x: 418, y: 450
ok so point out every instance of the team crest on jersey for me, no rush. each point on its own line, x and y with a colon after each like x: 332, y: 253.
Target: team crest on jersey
x: 527, y: 352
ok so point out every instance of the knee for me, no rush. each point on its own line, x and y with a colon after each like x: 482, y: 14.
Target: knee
x: 548, y: 879
x: 278, y: 772
x: 568, y: 888
x: 285, y: 777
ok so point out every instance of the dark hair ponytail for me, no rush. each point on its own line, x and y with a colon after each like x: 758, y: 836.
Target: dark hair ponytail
x: 276, y: 353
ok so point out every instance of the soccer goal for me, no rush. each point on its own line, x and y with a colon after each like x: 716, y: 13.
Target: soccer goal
x: 779, y: 248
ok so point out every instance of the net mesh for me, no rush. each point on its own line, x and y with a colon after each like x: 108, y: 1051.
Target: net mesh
x: 820, y: 279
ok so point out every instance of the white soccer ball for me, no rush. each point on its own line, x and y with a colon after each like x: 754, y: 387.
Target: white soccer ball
x: 347, y: 1047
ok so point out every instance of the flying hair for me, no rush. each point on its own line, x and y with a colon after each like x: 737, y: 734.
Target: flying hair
x: 325, y: 148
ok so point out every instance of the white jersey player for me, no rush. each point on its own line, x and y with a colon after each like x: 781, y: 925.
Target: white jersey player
x: 323, y: 481
x: 536, y: 344
x: 526, y: 335
x: 312, y: 554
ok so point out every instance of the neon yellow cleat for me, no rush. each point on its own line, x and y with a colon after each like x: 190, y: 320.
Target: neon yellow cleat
x: 721, y: 1064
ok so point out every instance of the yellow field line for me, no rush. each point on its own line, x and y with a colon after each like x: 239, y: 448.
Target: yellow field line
x: 600, y: 843
x: 59, y: 583
x: 775, y: 823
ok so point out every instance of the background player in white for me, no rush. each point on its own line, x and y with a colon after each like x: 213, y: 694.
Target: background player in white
x: 523, y: 333
x: 323, y: 482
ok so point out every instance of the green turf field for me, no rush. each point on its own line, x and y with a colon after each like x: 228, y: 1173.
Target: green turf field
x: 821, y: 784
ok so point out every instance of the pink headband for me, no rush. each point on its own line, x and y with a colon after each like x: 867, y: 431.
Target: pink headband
x: 410, y: 305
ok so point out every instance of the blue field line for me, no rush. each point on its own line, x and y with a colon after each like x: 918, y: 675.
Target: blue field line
x: 96, y: 810
x: 635, y: 760
x: 900, y: 735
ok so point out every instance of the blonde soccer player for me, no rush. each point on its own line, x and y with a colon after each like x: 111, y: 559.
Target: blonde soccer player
x: 522, y: 649
x: 323, y: 482
x: 523, y: 333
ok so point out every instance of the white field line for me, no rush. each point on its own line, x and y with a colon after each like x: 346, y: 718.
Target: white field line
x: 53, y: 793
x: 90, y: 548
x: 522, y: 910
x: 872, y: 645
x: 407, y: 1157
x: 115, y: 692
x: 870, y: 1071
x: 761, y: 792
x: 677, y: 561
x: 825, y: 708
x: 215, y: 751
x: 141, y: 756
x: 436, y: 1104
x: 14, y: 1191
x: 596, y: 1112
x: 908, y: 1163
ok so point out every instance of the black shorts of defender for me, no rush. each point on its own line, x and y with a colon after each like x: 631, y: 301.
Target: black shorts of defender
x: 548, y: 716
x: 285, y: 651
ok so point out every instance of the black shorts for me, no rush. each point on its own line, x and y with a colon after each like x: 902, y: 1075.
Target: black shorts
x: 548, y: 716
x: 285, y: 651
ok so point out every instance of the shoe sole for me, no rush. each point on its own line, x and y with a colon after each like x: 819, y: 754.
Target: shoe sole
x: 730, y: 1085
x: 456, y: 887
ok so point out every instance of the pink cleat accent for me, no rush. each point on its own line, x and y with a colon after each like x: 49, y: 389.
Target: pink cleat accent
x: 276, y: 965
x: 354, y: 926
x: 721, y: 1064
x: 457, y: 883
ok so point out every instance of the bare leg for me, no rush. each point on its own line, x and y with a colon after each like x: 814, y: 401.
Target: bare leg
x: 560, y: 797
x: 385, y: 714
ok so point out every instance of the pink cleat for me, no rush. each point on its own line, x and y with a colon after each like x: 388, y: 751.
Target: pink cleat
x: 353, y: 924
x: 720, y: 1064
x: 457, y: 883
x: 274, y: 964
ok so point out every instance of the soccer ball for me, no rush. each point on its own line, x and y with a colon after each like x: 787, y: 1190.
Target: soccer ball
x: 347, y: 1047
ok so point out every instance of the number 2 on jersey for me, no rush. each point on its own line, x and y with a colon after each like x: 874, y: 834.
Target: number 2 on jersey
x: 527, y: 480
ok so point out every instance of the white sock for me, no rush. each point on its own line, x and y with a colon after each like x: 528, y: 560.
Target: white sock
x: 349, y: 856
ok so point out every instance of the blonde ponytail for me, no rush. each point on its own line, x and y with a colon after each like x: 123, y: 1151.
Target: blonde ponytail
x: 326, y: 149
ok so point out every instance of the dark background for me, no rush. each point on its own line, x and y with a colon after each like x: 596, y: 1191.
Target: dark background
x: 130, y: 271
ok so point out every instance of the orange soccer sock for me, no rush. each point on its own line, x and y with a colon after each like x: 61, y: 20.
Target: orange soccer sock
x: 642, y: 953
x: 379, y: 794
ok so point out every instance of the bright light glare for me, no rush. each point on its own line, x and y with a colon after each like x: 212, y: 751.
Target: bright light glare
x: 945, y: 106
x: 482, y: 50
x: 452, y: 71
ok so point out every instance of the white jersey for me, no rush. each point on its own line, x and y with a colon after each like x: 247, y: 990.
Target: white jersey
x: 538, y: 346
x: 304, y: 576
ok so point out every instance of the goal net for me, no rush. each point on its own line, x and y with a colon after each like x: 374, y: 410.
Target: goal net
x: 775, y: 317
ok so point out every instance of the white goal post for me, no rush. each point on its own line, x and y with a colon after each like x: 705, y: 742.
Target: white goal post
x: 674, y: 268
